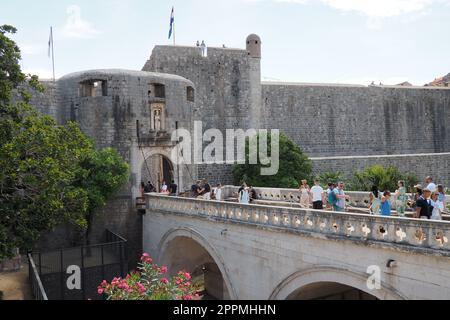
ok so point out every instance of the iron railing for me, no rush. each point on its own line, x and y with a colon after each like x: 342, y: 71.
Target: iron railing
x: 35, y: 281
x: 96, y: 263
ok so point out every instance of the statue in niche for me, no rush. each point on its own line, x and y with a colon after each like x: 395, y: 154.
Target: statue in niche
x: 157, y: 120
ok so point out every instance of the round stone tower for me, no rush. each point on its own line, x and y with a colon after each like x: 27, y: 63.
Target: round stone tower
x: 254, y: 46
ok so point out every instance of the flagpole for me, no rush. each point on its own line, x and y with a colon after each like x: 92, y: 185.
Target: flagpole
x: 53, y: 54
x: 174, y: 27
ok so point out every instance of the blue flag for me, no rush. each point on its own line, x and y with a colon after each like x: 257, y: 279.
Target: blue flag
x: 172, y: 20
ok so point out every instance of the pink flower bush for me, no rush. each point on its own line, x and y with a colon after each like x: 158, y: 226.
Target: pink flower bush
x: 148, y: 283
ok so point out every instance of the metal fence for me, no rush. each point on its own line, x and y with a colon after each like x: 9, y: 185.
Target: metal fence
x: 35, y: 281
x: 95, y: 263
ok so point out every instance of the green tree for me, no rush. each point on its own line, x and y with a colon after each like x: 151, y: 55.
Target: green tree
x: 326, y: 177
x: 101, y: 174
x: 49, y: 174
x: 383, y: 178
x: 294, y: 166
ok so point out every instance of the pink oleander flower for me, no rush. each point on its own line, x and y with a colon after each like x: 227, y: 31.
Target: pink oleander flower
x: 141, y: 288
x: 164, y: 269
x: 164, y: 280
x: 104, y: 283
x: 187, y: 297
x: 100, y: 290
x: 187, y: 275
x: 146, y: 258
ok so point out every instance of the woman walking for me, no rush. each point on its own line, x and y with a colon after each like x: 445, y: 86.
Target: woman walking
x: 304, y: 194
x: 244, y: 196
x: 438, y: 206
x: 402, y: 198
x: 441, y: 194
x: 375, y: 200
x: 386, y: 204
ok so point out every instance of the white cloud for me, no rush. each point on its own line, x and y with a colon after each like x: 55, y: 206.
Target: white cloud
x: 380, y: 8
x: 76, y: 27
x: 374, y: 8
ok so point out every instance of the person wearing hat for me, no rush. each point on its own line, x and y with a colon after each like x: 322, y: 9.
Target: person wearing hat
x: 430, y: 184
x: 415, y: 197
x: 423, y: 205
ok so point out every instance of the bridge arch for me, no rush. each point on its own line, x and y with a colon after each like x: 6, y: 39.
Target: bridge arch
x: 186, y: 249
x: 292, y: 286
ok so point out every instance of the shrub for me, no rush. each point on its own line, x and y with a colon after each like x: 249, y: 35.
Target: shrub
x: 150, y: 283
x: 383, y: 178
x: 326, y: 177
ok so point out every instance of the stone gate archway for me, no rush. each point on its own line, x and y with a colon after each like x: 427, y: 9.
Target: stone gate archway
x: 156, y: 169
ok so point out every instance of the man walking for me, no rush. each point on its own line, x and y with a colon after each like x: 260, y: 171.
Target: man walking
x: 317, y: 195
x: 341, y: 197
x: 173, y: 188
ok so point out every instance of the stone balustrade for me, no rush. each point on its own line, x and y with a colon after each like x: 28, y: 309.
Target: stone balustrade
x: 358, y: 199
x: 405, y: 233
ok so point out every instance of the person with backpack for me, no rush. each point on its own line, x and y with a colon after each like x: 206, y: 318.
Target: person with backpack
x: 341, y: 197
x: 332, y: 199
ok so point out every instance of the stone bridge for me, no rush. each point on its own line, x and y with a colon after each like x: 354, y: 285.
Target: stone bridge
x: 276, y: 252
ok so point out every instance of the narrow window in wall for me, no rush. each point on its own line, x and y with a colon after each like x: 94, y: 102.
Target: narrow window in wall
x: 94, y: 88
x: 190, y: 94
x: 157, y: 90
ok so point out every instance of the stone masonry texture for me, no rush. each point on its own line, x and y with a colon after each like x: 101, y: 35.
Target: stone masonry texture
x: 341, y: 127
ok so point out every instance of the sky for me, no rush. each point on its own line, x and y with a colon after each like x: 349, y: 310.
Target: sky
x: 323, y: 41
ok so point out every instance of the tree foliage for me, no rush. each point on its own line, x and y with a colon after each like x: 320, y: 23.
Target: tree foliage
x: 334, y: 177
x: 382, y: 177
x: 294, y: 166
x: 49, y: 173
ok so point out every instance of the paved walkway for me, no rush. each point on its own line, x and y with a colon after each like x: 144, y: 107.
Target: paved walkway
x: 15, y: 285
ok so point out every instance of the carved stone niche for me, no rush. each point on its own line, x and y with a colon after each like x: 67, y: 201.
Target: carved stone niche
x: 157, y: 117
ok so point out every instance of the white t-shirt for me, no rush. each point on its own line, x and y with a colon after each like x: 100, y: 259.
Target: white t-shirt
x: 218, y: 194
x: 432, y: 187
x: 438, y: 207
x: 317, y: 192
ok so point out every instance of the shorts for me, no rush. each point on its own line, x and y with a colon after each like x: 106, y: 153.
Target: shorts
x: 318, y: 205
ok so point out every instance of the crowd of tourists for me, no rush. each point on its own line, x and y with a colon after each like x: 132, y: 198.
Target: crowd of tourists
x: 201, y: 189
x: 427, y: 202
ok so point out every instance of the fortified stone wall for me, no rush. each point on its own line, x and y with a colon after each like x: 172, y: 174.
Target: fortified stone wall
x: 421, y: 165
x: 326, y: 120
x: 333, y: 120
